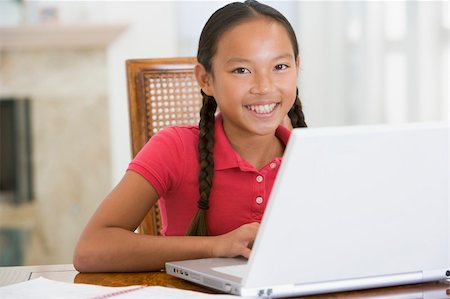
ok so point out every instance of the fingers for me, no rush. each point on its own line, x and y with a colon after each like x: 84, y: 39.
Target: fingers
x: 246, y: 252
x: 237, y: 242
x: 249, y: 236
x: 250, y: 245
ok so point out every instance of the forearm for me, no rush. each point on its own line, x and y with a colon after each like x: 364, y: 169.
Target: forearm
x: 118, y: 250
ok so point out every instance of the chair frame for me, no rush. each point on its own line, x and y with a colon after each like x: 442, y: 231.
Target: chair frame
x: 140, y: 115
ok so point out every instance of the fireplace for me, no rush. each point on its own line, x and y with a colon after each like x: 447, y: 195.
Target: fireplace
x: 53, y: 90
x: 16, y: 185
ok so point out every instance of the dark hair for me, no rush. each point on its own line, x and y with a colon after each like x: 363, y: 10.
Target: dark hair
x: 222, y: 20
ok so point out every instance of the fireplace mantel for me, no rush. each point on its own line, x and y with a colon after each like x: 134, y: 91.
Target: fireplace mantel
x: 27, y: 37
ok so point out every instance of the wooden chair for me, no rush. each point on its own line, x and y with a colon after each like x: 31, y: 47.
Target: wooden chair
x: 161, y: 93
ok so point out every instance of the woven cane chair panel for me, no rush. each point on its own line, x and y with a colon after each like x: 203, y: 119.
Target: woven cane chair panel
x: 171, y: 99
x: 161, y: 92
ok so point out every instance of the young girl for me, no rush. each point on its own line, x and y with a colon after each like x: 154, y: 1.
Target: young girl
x: 212, y: 181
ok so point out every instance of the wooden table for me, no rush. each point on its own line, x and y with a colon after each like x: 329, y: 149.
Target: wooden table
x: 67, y: 273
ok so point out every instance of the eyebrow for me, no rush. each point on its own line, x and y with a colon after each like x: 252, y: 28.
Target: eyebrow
x: 244, y: 60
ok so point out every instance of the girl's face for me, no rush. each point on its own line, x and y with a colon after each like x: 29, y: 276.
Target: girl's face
x: 254, y: 77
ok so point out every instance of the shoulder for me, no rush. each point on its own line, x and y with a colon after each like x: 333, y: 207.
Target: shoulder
x: 166, y: 156
x: 169, y: 147
x: 183, y: 134
x: 183, y: 139
x: 182, y: 130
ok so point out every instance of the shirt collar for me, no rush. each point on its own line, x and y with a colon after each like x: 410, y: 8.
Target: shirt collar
x: 223, y: 149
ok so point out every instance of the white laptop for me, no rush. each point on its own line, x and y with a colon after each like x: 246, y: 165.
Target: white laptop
x: 352, y: 208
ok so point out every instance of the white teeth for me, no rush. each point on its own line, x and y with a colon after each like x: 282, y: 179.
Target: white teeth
x: 262, y: 109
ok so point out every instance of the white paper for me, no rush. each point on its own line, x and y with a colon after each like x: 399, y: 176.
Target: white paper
x: 50, y: 289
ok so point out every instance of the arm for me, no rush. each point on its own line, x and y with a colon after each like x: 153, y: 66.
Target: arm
x: 109, y: 244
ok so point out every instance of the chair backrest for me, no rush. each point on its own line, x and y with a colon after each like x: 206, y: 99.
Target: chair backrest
x: 161, y: 92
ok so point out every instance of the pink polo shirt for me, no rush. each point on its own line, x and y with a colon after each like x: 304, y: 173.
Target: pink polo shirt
x: 169, y: 162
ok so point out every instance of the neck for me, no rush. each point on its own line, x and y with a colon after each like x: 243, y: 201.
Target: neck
x: 258, y: 150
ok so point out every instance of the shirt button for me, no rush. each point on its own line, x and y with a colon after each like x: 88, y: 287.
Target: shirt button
x: 259, y: 200
x: 259, y: 178
x: 273, y: 165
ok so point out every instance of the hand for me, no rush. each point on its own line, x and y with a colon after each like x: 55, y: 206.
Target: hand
x: 237, y: 242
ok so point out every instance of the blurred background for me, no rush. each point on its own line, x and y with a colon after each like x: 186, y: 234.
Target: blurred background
x: 64, y: 128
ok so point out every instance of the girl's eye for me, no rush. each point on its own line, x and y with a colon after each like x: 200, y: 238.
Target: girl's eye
x: 280, y: 67
x: 241, y: 70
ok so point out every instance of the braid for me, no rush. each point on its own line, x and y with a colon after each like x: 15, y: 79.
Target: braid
x: 296, y: 114
x: 198, y: 226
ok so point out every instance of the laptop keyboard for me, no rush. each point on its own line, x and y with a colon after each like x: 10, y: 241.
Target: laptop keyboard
x: 237, y: 270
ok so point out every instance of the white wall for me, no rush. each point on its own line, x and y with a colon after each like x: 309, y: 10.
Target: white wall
x: 374, y: 61
x: 323, y: 56
x: 151, y: 33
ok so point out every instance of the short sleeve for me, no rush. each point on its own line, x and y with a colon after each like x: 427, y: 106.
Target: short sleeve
x: 160, y: 161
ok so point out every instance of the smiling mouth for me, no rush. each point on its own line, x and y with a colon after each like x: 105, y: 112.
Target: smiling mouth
x: 262, y: 109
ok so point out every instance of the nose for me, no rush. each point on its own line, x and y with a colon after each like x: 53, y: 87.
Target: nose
x: 262, y: 83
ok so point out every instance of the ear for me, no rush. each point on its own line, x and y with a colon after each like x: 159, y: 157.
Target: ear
x: 203, y: 79
x: 297, y: 63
